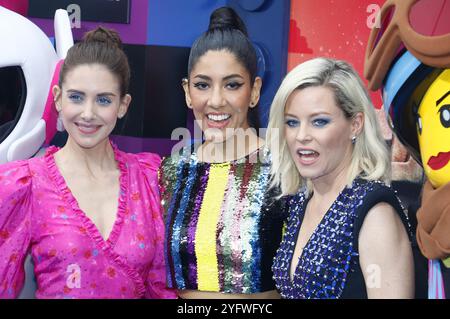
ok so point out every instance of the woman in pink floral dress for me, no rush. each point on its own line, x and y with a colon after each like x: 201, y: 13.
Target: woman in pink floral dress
x: 89, y: 213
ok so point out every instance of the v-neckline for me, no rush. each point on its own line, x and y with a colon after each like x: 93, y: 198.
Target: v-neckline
x: 300, y: 257
x: 89, y: 225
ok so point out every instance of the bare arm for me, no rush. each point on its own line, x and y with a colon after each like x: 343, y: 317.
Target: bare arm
x: 386, y: 257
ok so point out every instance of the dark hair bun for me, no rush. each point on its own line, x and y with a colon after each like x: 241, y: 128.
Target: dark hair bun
x: 226, y: 18
x: 101, y: 34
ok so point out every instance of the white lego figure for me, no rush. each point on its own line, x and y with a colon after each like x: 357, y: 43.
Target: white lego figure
x: 26, y: 46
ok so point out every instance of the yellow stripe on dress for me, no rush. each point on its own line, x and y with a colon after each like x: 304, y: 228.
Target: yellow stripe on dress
x: 205, y: 236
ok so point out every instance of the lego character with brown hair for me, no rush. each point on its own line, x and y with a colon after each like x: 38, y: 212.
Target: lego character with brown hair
x: 408, y: 58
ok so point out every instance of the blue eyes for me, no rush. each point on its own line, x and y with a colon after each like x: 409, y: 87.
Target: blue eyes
x: 292, y: 123
x: 75, y: 97
x: 79, y: 98
x: 320, y: 122
x: 445, y: 115
x: 103, y: 100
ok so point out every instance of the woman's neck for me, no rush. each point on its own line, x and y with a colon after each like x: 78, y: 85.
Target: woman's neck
x: 238, y: 146
x: 93, y: 161
x: 327, y: 188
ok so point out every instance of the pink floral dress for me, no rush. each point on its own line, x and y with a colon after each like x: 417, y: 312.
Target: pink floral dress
x: 38, y: 213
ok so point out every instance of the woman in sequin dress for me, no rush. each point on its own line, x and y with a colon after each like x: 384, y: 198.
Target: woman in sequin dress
x: 89, y: 213
x: 347, y: 235
x: 223, y: 224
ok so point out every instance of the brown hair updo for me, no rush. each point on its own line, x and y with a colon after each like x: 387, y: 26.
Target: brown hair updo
x: 99, y: 46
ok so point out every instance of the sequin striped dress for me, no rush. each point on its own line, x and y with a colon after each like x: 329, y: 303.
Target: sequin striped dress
x: 223, y: 225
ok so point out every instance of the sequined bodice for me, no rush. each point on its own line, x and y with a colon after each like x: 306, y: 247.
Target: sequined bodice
x: 329, y: 255
x: 223, y: 224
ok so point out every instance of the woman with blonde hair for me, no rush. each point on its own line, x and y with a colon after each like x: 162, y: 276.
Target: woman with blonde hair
x: 347, y: 235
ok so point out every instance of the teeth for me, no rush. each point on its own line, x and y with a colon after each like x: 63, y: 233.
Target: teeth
x: 305, y: 152
x: 221, y: 117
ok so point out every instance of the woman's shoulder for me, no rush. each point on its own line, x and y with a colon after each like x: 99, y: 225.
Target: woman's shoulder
x: 181, y: 155
x: 375, y: 191
x: 378, y: 192
x: 15, y: 178
x: 16, y: 168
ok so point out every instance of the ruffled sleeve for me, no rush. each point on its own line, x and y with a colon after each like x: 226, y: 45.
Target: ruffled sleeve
x: 15, y: 226
x: 156, y: 278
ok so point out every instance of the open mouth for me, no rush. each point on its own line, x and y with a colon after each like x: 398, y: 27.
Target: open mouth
x: 439, y: 161
x: 307, y: 156
x: 218, y: 120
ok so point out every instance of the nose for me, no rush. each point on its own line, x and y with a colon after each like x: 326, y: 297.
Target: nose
x: 303, y: 133
x: 216, y: 99
x: 88, y: 111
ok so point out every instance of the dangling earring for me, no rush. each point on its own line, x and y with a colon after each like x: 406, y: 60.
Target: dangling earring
x: 354, y: 140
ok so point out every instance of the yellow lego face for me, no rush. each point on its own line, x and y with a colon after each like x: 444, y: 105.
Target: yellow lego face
x: 433, y: 130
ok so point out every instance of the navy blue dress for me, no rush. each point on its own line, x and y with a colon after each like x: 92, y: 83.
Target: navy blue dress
x: 328, y: 267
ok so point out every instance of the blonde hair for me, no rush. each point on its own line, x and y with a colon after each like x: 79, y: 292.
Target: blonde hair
x: 370, y: 156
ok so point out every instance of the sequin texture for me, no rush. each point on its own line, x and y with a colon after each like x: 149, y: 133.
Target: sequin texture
x: 330, y: 254
x: 224, y: 225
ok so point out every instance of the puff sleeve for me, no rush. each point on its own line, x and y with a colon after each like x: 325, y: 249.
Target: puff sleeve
x: 156, y: 279
x: 15, y: 226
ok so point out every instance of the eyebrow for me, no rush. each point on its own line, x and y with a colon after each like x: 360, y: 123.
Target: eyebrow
x: 80, y: 92
x: 233, y: 76
x: 205, y: 77
x: 75, y: 91
x: 311, y: 115
x: 442, y: 98
x: 290, y: 115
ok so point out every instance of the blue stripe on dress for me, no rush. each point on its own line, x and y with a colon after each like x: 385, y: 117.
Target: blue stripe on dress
x: 176, y: 238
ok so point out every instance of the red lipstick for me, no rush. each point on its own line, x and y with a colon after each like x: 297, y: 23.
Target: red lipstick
x: 437, y: 162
